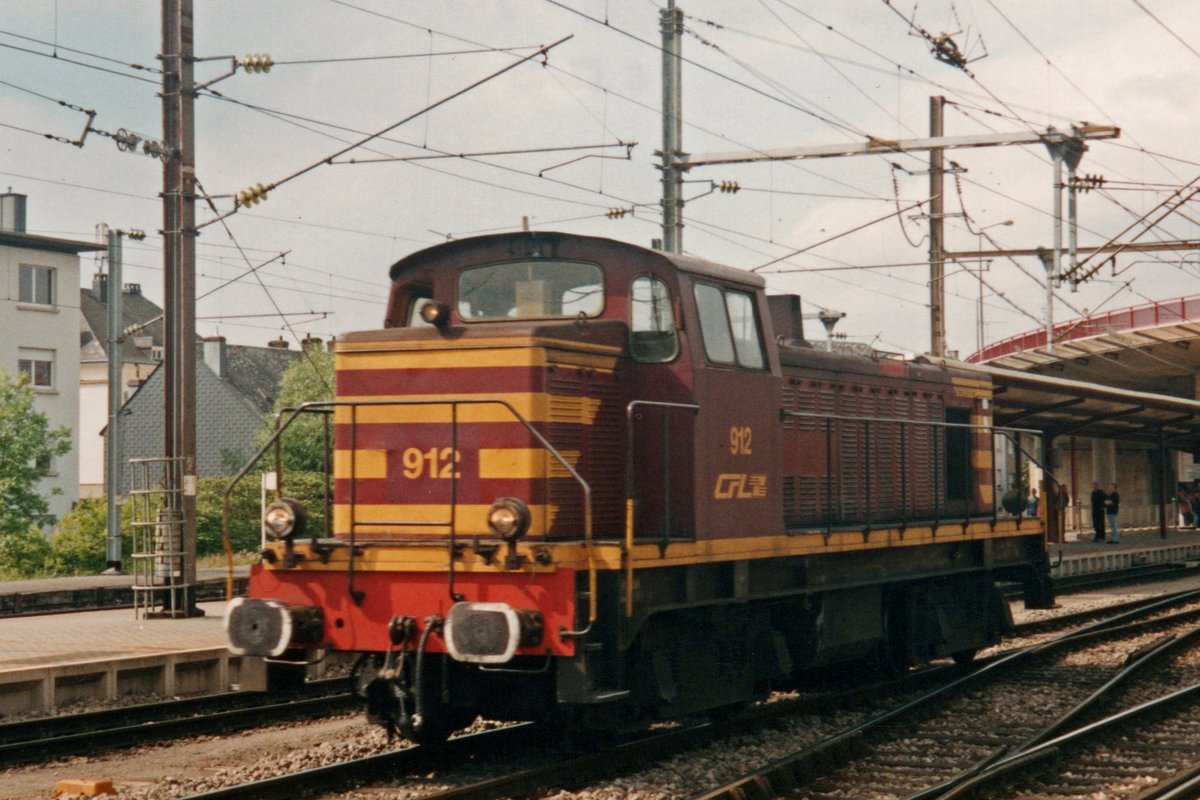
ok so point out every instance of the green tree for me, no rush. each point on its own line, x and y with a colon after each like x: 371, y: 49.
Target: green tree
x: 27, y: 446
x: 302, y: 446
x: 245, y: 510
x: 80, y: 546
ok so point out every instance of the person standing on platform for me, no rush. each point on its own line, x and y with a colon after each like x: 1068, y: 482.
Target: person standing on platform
x: 1098, y: 498
x: 1111, y: 506
x: 1031, y: 506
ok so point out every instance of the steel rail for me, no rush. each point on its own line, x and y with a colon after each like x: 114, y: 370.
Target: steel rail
x: 784, y: 771
x: 1002, y: 769
x: 115, y: 728
x: 575, y: 771
x: 355, y: 772
x: 994, y: 765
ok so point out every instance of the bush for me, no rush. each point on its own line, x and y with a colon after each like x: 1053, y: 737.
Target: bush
x: 245, y: 520
x: 23, y: 553
x: 81, y: 545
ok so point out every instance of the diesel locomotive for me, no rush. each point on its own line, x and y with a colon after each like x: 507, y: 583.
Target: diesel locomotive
x: 582, y: 480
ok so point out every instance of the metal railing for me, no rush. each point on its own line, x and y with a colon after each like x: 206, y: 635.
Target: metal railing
x: 285, y: 419
x: 159, y: 569
x: 1163, y: 312
x: 937, y: 486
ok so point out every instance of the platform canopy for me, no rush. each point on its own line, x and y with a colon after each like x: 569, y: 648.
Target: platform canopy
x: 1062, y: 407
x: 1154, y: 347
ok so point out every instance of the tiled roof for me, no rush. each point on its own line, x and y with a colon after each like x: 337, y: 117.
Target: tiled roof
x: 136, y: 309
x: 255, y: 372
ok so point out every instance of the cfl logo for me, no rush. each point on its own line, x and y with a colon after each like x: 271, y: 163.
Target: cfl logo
x: 731, y: 486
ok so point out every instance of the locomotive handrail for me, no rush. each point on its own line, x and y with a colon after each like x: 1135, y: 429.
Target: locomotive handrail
x: 1046, y: 475
x: 327, y: 406
x: 226, y: 539
x: 1005, y: 431
x: 629, y: 484
x: 930, y: 422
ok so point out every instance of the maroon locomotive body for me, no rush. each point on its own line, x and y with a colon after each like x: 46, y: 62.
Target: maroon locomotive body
x: 580, y: 479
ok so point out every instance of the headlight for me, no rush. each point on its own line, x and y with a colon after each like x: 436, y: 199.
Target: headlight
x: 284, y: 519
x: 435, y: 313
x: 508, y: 518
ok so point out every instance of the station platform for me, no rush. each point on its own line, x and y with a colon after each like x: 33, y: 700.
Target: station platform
x: 53, y: 660
x: 45, y: 595
x: 1138, y: 547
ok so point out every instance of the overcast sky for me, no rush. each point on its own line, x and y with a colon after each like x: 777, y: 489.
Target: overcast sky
x: 764, y: 74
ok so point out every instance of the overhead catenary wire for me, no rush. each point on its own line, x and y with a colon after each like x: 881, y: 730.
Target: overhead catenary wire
x: 89, y: 54
x: 399, y: 56
x: 710, y: 70
x: 542, y: 51
x: 841, y: 235
x: 290, y: 119
x: 1165, y: 27
x: 64, y: 60
x: 228, y: 232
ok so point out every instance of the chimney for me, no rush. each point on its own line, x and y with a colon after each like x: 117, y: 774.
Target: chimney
x: 133, y: 288
x: 312, y: 344
x: 100, y: 286
x: 12, y: 212
x: 279, y: 344
x: 214, y: 355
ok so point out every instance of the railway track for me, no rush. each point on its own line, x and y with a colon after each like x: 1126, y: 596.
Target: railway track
x: 527, y: 775
x: 116, y: 728
x: 972, y: 736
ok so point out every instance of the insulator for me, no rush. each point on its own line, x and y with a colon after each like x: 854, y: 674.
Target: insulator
x: 126, y: 140
x: 252, y: 195
x: 616, y: 213
x: 729, y: 187
x: 136, y: 234
x: 258, y: 62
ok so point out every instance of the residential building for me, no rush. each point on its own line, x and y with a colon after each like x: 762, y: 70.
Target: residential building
x: 39, y: 332
x: 236, y: 387
x: 140, y: 352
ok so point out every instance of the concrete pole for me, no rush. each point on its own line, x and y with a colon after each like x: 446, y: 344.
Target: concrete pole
x: 937, y: 262
x: 1054, y: 268
x: 671, y: 20
x: 179, y: 255
x: 1072, y: 224
x: 113, y: 437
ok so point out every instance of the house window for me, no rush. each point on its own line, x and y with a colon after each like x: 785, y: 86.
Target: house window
x: 37, y: 365
x: 37, y: 285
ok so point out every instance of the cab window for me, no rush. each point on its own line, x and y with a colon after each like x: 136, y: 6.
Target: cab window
x: 729, y: 326
x: 652, y: 336
x: 531, y: 289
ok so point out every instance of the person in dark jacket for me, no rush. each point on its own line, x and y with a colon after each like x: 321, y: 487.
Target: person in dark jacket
x: 1111, y: 505
x: 1098, y: 498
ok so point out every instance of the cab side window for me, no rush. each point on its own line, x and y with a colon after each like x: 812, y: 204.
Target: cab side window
x: 652, y: 336
x: 729, y: 326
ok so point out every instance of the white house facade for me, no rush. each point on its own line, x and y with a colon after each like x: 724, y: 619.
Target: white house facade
x: 39, y: 332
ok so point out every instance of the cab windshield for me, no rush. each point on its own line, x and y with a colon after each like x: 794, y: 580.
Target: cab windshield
x: 534, y: 289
